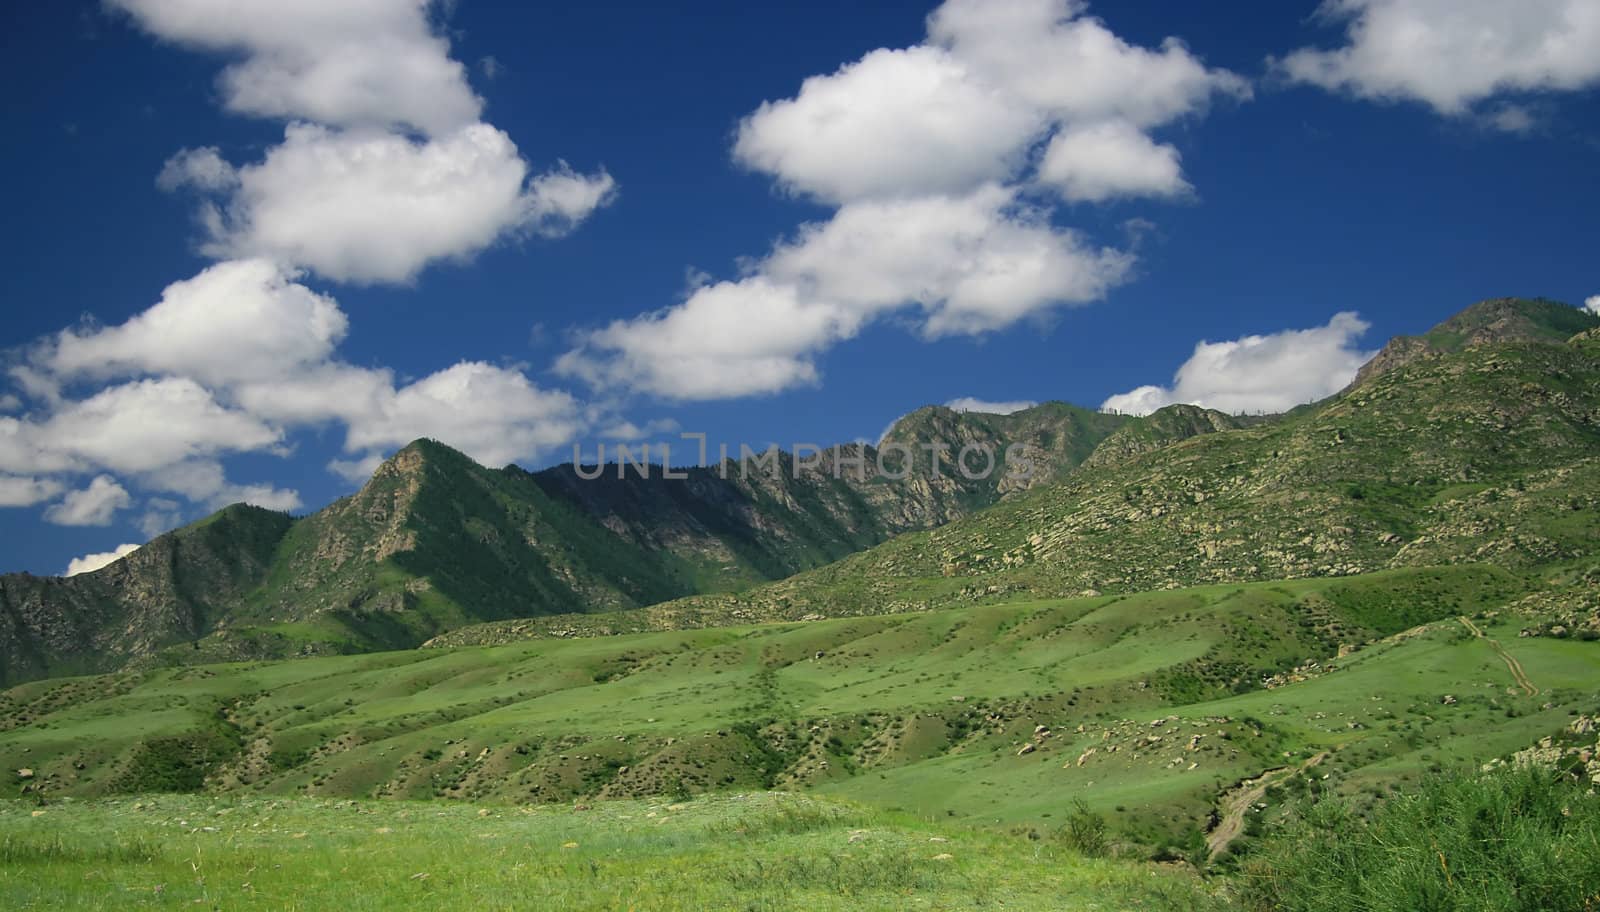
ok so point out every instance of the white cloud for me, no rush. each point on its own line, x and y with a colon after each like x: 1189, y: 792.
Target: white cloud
x: 238, y: 320
x: 203, y: 169
x: 231, y: 361
x: 971, y: 264
x: 92, y: 506
x: 988, y: 407
x: 24, y: 491
x: 1097, y: 162
x: 729, y: 339
x: 148, y: 424
x: 350, y: 63
x: 891, y: 124
x: 1272, y: 373
x: 203, y: 481
x: 1056, y: 59
x: 385, y: 166
x: 926, y: 152
x: 92, y: 562
x: 1592, y: 305
x: 370, y: 206
x: 964, y: 108
x: 357, y: 471
x: 558, y: 200
x: 1453, y: 54
x: 493, y: 414
x: 968, y: 265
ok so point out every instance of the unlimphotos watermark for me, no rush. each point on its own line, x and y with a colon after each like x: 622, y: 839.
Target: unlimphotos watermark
x: 894, y: 460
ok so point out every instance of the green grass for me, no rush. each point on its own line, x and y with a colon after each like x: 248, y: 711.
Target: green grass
x: 926, y: 712
x: 758, y: 851
x: 1515, y: 840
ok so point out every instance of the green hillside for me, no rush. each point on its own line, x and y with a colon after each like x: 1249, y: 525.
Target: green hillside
x: 1158, y: 700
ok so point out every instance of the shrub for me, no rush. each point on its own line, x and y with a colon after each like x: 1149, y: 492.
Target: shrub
x: 1514, y: 840
x: 1084, y: 831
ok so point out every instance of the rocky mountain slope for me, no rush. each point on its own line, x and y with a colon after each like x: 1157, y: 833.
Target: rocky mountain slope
x: 1489, y: 453
x: 434, y: 542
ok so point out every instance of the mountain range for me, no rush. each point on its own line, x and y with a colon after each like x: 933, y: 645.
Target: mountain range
x: 1477, y: 441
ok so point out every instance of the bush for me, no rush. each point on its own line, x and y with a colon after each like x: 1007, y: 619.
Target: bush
x: 1084, y: 831
x: 1514, y: 840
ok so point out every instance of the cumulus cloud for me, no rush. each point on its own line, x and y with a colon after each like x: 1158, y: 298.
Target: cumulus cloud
x: 1055, y: 58
x: 890, y: 124
x: 964, y: 107
x: 372, y: 206
x: 989, y: 407
x: 236, y: 321
x: 557, y: 201
x: 351, y: 63
x: 494, y: 414
x: 144, y: 425
x: 1592, y: 305
x: 23, y: 491
x: 92, y: 506
x: 232, y: 361
x: 92, y: 562
x: 968, y: 264
x: 385, y: 166
x: 927, y: 154
x: 1097, y: 162
x: 1271, y: 373
x: 1454, y: 54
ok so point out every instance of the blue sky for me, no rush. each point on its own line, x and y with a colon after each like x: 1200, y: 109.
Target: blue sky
x: 1012, y: 201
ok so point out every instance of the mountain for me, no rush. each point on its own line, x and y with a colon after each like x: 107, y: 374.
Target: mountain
x: 435, y: 541
x: 1487, y: 453
x: 174, y: 588
x: 1479, y: 442
x: 1490, y: 322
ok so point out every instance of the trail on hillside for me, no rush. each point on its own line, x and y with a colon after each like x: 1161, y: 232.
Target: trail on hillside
x: 1517, y: 674
x: 1236, y: 803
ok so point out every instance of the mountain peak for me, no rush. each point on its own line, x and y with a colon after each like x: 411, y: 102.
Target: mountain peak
x: 416, y: 455
x: 1488, y: 322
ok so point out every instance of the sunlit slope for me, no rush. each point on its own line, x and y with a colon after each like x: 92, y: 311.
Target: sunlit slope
x: 936, y: 712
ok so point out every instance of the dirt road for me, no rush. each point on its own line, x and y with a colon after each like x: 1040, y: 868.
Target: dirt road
x: 1237, y: 803
x: 1515, y: 667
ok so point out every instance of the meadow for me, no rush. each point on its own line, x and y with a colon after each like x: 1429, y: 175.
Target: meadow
x: 739, y: 851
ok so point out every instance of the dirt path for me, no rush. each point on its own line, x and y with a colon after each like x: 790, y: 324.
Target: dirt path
x: 1237, y: 803
x: 1515, y: 667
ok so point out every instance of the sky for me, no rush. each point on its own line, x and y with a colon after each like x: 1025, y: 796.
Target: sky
x: 254, y: 248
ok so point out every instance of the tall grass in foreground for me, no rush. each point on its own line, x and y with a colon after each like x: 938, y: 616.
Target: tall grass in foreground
x: 1514, y: 840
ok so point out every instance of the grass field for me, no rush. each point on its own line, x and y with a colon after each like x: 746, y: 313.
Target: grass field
x: 1149, y: 707
x: 748, y: 852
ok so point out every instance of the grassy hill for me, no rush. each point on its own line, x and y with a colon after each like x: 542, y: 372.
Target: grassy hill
x: 1153, y: 703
